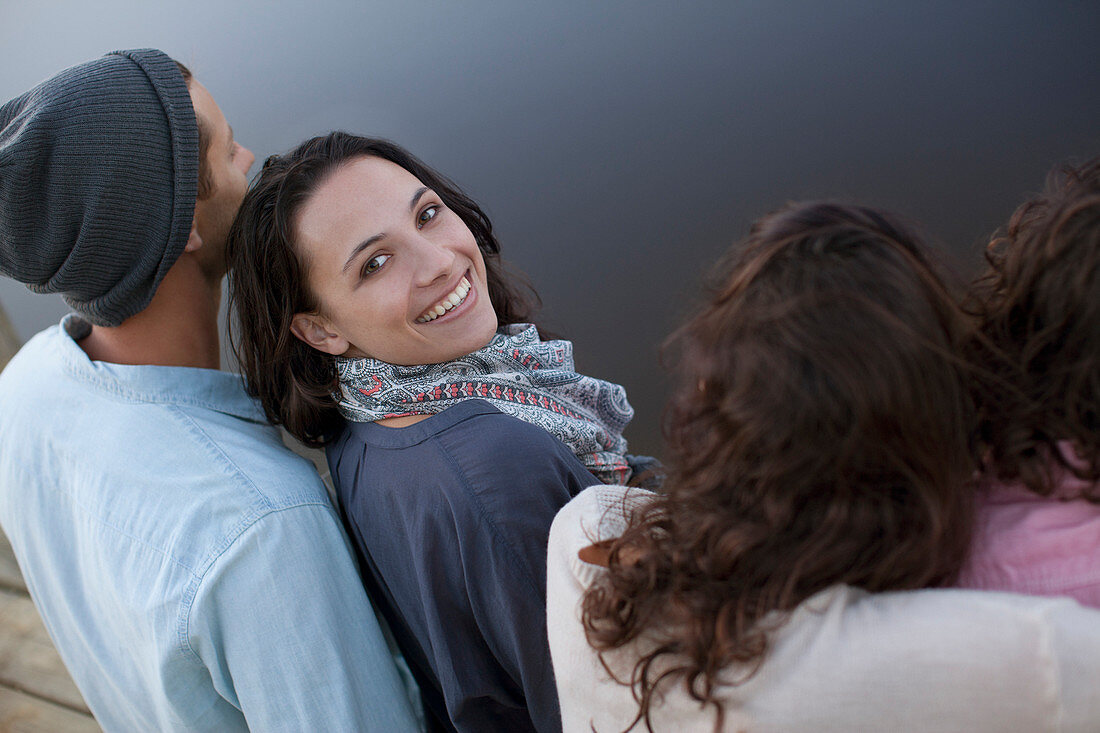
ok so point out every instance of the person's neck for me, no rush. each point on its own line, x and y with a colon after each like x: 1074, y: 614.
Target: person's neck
x: 179, y: 327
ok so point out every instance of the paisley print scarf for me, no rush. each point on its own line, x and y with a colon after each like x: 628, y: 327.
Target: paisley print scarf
x: 518, y: 374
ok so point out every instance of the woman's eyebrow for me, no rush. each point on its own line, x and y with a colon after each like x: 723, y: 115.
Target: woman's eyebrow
x: 359, y: 248
x: 416, y: 196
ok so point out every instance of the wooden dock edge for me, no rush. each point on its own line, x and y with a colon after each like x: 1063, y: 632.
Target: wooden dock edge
x: 36, y: 693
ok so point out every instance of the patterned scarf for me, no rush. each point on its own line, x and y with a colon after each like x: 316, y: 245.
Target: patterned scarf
x: 518, y: 374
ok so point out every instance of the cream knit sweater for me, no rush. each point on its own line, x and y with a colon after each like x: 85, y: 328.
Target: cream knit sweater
x: 933, y: 660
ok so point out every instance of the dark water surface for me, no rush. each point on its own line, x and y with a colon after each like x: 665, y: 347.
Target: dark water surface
x: 620, y: 146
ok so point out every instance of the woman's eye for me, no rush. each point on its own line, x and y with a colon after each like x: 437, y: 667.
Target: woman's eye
x: 374, y: 264
x: 427, y: 215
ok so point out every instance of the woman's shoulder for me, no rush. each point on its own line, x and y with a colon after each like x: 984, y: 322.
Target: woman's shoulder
x: 600, y: 512
x: 499, y: 448
x: 953, y: 619
x: 851, y: 660
x: 976, y: 656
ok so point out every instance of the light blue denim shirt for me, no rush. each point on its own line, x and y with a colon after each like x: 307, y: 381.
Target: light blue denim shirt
x: 190, y: 569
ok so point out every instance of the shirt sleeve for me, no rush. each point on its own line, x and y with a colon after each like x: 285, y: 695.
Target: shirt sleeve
x: 283, y: 625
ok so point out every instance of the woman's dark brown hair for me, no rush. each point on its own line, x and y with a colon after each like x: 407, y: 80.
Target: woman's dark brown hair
x: 819, y: 435
x: 268, y: 284
x: 1038, y: 310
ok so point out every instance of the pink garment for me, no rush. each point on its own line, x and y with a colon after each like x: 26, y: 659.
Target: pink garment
x: 1045, y: 546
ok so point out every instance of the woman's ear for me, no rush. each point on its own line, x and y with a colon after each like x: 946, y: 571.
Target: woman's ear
x: 315, y: 331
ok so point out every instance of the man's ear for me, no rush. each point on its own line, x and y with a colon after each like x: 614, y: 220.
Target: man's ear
x: 194, y: 241
x: 316, y: 331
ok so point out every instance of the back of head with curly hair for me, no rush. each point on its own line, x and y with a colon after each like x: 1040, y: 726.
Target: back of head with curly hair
x: 820, y: 435
x: 1038, y: 308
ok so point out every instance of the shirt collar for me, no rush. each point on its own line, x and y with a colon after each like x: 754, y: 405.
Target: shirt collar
x: 206, y: 388
x: 410, y: 435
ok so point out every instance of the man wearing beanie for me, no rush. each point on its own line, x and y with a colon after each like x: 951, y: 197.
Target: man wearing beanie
x: 190, y: 569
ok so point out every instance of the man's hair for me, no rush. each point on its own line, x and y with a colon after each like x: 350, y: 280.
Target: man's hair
x: 206, y: 180
x: 1038, y: 336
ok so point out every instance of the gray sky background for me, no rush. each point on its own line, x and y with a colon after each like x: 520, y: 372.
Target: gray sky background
x: 621, y: 146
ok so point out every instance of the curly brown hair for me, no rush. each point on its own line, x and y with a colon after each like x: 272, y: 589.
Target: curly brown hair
x: 819, y: 435
x: 268, y: 285
x: 1038, y: 335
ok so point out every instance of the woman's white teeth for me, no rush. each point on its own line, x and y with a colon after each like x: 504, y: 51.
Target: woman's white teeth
x: 450, y: 301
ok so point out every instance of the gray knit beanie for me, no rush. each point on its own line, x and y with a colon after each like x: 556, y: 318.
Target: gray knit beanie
x: 98, y: 175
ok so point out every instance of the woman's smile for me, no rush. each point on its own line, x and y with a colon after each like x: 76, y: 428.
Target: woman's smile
x: 450, y: 304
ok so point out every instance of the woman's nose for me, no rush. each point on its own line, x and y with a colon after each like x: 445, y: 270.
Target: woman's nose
x: 437, y: 262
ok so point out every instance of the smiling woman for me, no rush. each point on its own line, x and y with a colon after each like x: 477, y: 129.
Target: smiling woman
x: 271, y: 286
x: 374, y: 316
